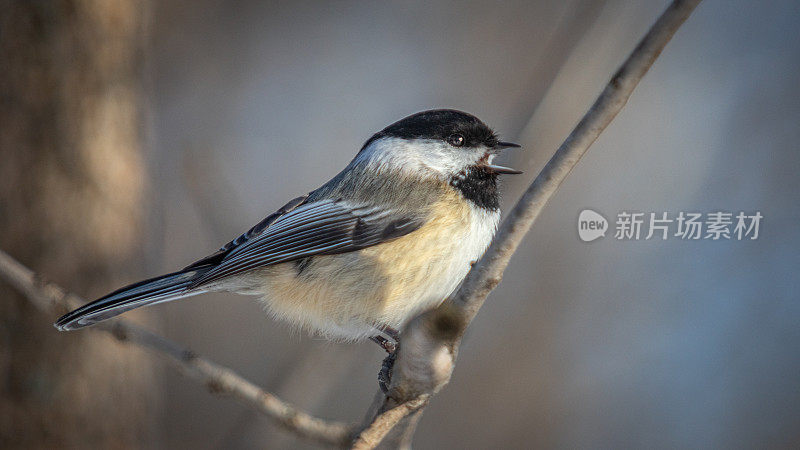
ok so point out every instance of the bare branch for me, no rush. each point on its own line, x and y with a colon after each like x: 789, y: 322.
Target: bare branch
x: 385, y: 421
x: 218, y: 379
x: 421, y: 367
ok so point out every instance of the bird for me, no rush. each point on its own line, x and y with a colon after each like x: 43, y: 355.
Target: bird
x: 389, y: 237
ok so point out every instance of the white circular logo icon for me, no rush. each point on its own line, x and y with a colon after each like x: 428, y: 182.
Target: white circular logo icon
x: 591, y: 225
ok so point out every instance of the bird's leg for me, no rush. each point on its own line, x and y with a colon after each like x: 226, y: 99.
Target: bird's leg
x: 385, y: 374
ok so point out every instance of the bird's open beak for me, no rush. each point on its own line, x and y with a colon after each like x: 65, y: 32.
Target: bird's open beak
x: 504, y: 170
x: 501, y: 169
x: 502, y: 145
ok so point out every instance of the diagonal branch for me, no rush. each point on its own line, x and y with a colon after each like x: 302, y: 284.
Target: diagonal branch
x: 430, y: 342
x: 385, y: 421
x: 218, y: 379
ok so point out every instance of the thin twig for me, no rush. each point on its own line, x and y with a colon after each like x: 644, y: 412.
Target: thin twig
x: 386, y: 421
x: 218, y: 379
x: 462, y: 307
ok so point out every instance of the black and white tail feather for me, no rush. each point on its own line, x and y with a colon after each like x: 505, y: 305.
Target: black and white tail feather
x: 171, y: 286
x: 164, y: 288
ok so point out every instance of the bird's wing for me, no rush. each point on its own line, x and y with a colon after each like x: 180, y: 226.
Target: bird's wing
x: 217, y: 257
x: 322, y: 227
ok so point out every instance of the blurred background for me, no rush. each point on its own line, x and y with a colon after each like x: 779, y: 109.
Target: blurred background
x: 138, y: 136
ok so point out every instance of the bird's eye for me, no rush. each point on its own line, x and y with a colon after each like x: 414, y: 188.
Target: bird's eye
x: 456, y: 140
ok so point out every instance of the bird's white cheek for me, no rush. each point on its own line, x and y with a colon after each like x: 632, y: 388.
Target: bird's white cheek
x: 455, y: 161
x: 420, y: 156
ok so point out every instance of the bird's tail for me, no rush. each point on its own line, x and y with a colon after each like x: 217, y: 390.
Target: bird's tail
x: 171, y: 286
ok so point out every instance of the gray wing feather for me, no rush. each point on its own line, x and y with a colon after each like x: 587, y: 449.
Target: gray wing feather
x: 319, y: 228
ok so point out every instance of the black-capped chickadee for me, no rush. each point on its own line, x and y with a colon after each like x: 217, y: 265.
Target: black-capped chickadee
x: 391, y: 235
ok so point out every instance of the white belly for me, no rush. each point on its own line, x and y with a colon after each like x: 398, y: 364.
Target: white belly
x: 346, y: 296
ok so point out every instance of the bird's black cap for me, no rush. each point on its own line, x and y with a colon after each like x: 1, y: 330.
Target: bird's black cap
x: 441, y: 124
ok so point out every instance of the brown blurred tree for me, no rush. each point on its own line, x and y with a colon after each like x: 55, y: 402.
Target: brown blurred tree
x: 71, y: 188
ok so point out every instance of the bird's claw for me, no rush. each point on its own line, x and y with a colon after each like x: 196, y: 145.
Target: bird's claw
x: 385, y: 374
